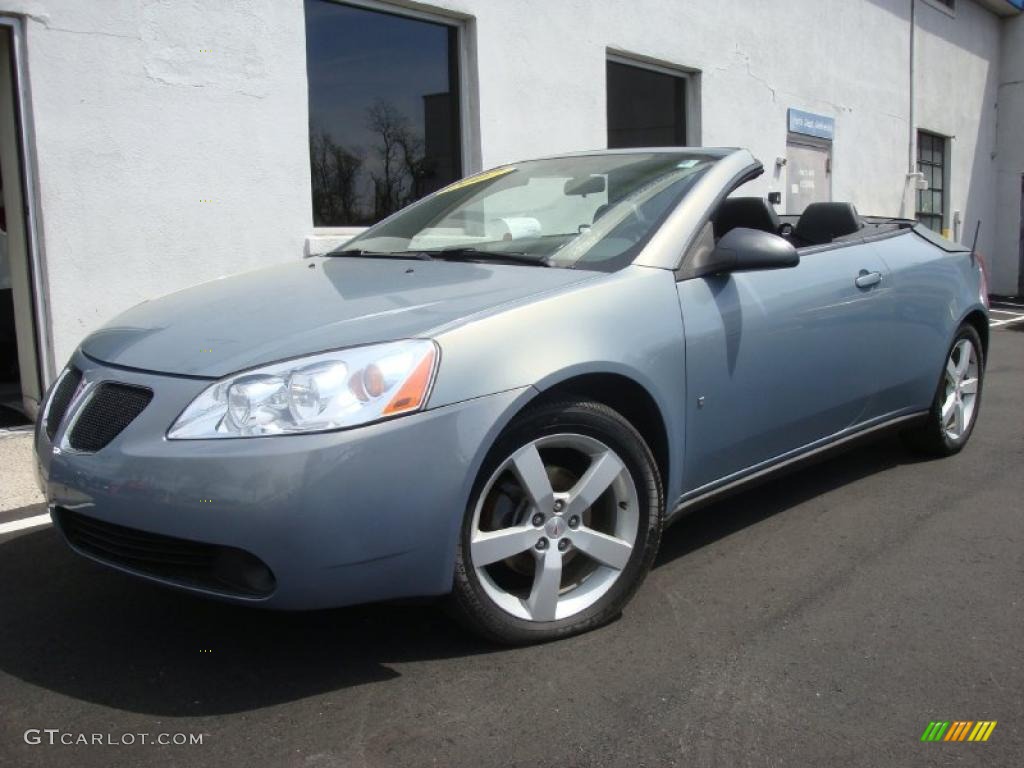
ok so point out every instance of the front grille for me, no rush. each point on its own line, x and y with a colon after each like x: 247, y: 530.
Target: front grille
x: 61, y: 399
x: 111, y: 408
x: 187, y: 563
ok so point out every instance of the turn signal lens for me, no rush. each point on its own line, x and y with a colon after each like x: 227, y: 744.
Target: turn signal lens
x: 413, y: 392
x: 373, y: 381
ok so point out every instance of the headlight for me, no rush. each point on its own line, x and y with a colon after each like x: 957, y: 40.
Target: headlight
x: 312, y: 394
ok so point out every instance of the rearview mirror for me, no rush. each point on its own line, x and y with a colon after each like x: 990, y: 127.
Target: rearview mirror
x: 743, y: 249
x: 584, y: 185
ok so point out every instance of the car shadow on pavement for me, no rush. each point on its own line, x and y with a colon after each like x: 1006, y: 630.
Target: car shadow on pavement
x: 710, y: 523
x: 73, y: 627
x: 76, y: 628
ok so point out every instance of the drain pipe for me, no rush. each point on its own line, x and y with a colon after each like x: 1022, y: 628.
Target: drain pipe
x: 911, y: 164
x: 915, y: 180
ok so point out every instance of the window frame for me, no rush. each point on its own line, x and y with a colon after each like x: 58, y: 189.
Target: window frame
x: 326, y: 238
x: 691, y: 88
x: 947, y: 147
x: 940, y: 5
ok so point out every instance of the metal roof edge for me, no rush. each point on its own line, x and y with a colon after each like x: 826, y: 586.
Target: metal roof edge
x: 1003, y: 7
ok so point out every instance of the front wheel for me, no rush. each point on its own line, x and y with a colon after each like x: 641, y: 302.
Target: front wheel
x: 957, y: 400
x: 562, y: 527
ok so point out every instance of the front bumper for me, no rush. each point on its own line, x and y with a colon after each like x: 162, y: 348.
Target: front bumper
x: 343, y: 517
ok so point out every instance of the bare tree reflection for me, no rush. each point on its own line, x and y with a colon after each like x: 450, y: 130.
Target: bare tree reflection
x: 396, y: 152
x: 399, y: 169
x: 335, y: 171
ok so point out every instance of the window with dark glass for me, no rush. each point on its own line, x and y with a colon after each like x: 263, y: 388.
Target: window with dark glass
x: 646, y: 107
x: 383, y: 111
x: 931, y: 163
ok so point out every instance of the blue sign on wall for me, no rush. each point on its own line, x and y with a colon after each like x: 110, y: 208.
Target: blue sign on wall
x: 810, y: 124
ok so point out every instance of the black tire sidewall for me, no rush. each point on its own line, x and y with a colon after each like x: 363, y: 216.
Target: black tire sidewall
x: 568, y: 417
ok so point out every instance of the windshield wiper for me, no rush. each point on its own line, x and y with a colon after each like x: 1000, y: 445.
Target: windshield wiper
x: 419, y: 255
x: 475, y: 254
x: 450, y: 254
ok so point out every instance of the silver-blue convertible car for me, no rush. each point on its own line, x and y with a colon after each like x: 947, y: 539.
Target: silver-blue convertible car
x: 504, y: 392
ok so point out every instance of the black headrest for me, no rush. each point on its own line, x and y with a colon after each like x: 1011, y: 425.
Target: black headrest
x: 746, y: 212
x: 823, y: 222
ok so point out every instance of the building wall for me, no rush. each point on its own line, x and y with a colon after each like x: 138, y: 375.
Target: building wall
x: 957, y: 77
x: 850, y: 61
x: 1010, y: 161
x: 136, y: 124
x: 146, y: 109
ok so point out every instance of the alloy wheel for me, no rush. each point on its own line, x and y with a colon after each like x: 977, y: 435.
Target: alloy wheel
x: 961, y: 390
x: 554, y: 527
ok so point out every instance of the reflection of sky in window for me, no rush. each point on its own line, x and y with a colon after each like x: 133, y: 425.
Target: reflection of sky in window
x: 356, y: 57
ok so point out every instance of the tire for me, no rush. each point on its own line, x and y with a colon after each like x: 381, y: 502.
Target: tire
x: 939, y: 436
x: 569, y: 450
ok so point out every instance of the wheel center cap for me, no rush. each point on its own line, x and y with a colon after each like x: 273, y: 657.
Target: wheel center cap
x: 555, y: 527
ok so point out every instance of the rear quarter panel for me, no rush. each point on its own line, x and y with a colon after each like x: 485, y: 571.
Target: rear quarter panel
x: 933, y: 290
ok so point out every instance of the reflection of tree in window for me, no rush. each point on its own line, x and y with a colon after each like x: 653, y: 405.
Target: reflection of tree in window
x: 384, y: 111
x: 405, y: 171
x: 334, y: 172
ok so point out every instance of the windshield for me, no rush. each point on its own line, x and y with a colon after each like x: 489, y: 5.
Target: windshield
x: 587, y: 211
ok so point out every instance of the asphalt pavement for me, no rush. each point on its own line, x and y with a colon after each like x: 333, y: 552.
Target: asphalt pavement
x: 823, y: 619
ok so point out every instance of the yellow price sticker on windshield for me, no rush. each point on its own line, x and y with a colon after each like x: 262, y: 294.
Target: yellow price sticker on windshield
x: 485, y: 176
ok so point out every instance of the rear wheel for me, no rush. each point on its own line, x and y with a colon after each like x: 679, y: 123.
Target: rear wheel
x: 954, y: 410
x: 562, y: 528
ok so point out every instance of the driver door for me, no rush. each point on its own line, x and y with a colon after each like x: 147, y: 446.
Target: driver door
x: 777, y: 359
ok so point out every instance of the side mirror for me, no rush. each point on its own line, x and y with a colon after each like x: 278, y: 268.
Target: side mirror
x: 743, y: 249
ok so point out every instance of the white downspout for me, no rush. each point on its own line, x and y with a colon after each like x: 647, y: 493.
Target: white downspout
x: 911, y: 185
x: 911, y: 154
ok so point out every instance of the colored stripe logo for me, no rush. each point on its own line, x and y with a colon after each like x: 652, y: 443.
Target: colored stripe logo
x: 958, y: 730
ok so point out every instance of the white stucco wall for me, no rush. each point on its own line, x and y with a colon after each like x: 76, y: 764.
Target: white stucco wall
x: 1010, y: 160
x: 957, y: 78
x: 849, y: 60
x: 136, y: 124
x: 145, y: 108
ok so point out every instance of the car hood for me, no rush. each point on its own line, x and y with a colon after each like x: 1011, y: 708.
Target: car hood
x: 310, y: 306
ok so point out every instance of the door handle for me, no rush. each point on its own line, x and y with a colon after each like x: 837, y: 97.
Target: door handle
x: 866, y: 279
